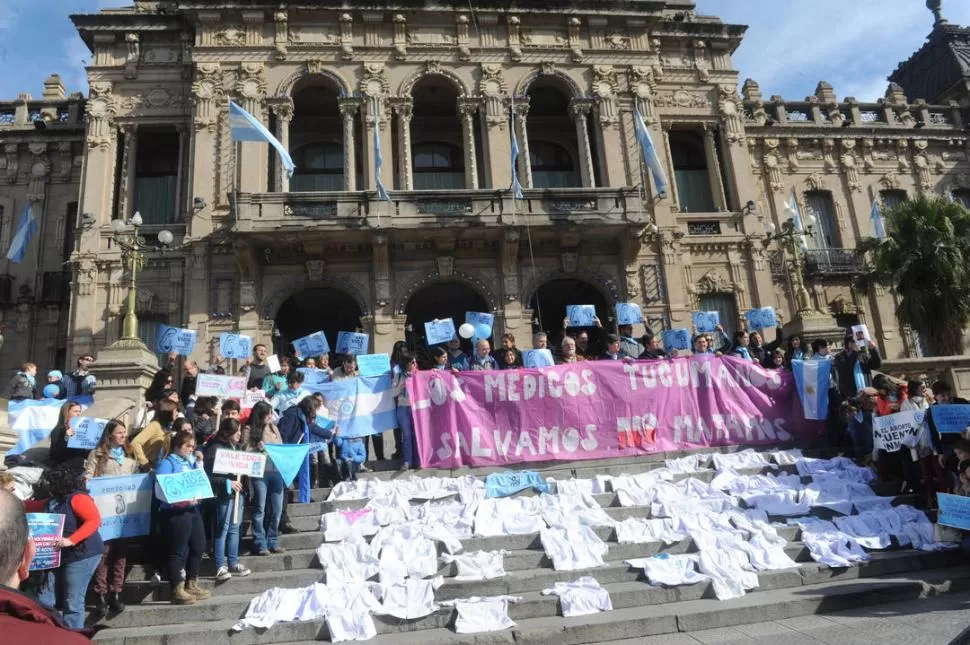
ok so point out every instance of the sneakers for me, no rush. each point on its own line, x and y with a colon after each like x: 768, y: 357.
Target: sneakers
x: 239, y: 570
x: 363, y: 469
x: 278, y: 549
x: 223, y: 574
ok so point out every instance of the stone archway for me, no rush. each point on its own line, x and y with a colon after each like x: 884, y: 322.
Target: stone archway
x: 329, y: 309
x: 548, y: 304
x: 439, y: 300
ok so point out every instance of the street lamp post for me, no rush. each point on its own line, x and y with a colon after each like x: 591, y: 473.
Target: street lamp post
x: 790, y: 240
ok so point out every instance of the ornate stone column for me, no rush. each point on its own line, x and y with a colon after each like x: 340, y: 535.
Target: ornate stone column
x: 404, y: 110
x: 525, y: 161
x: 127, y: 188
x: 579, y: 109
x: 714, y: 169
x: 207, y: 95
x: 283, y: 112
x: 467, y: 109
x: 348, y: 113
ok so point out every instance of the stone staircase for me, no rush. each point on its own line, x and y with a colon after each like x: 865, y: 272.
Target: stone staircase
x: 640, y: 609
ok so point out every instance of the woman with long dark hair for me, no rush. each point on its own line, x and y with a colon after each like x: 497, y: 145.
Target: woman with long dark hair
x: 61, y: 490
x: 228, y: 516
x: 59, y: 452
x: 113, y: 457
x: 267, y: 500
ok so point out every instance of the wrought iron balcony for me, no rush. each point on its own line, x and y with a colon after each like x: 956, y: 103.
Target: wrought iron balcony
x: 833, y: 262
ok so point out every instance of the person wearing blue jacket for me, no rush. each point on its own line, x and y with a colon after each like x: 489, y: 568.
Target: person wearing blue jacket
x: 299, y: 425
x: 351, y: 454
x: 182, y: 528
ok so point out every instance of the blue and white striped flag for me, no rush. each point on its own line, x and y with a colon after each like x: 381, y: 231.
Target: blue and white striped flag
x: 378, y: 156
x: 516, y: 185
x: 877, y: 223
x: 32, y: 421
x: 650, y: 156
x: 797, y: 219
x: 21, y: 239
x: 360, y: 406
x: 245, y: 127
x: 812, y: 382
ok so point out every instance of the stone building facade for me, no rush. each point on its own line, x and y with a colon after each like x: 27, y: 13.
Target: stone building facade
x: 277, y: 257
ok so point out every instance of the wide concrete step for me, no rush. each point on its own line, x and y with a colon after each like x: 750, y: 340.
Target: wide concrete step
x: 684, y: 608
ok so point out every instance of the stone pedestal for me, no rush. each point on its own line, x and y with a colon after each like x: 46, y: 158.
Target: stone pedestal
x: 125, y: 370
x: 815, y: 325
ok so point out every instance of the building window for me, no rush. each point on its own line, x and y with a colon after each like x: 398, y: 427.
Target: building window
x: 819, y: 203
x: 552, y: 166
x: 320, y: 167
x: 724, y: 304
x: 891, y: 198
x: 438, y: 166
x: 691, y: 172
x: 156, y: 176
x: 222, y: 289
x: 962, y: 197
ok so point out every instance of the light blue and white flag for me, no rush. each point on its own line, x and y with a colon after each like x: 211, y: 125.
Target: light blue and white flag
x: 877, y: 223
x: 32, y: 421
x: 360, y: 406
x: 125, y: 504
x: 650, y: 156
x: 378, y: 156
x: 797, y: 218
x: 812, y: 381
x: 245, y: 127
x: 21, y: 239
x: 516, y: 184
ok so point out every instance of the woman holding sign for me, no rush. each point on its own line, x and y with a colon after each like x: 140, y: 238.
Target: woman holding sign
x: 268, y: 498
x: 227, y: 491
x: 59, y: 451
x: 112, y: 458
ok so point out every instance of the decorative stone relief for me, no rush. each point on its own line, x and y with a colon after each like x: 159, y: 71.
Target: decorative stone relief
x: 828, y: 150
x: 281, y: 37
x: 382, y: 271
x: 791, y: 147
x: 643, y: 84
x: 890, y: 180
x: 575, y: 46
x: 101, y: 109
x: 400, y: 37
x: 701, y: 62
x: 40, y: 168
x: 850, y: 165
x: 493, y: 88
x: 510, y: 264
x: 730, y: 107
x: 133, y: 52
x: 902, y: 160
x: 464, y: 48
x: 922, y: 164
x: 314, y: 270
x: 867, y: 162
x: 11, y: 162
x: 682, y: 99
x: 346, y: 36
x: 247, y: 295
x: 606, y: 86
x: 815, y: 181
x: 569, y: 261
x: 772, y: 165
x: 230, y: 35
x: 446, y: 265
x: 374, y: 82
x: 65, y: 161
x: 515, y: 38
x: 251, y: 87
x: 207, y: 93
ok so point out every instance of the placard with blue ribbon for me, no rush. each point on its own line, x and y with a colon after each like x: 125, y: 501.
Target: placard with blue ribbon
x: 628, y: 313
x: 476, y: 318
x: 762, y: 318
x: 314, y: 376
x: 954, y: 511
x: 233, y: 345
x: 87, y: 432
x: 175, y: 339
x: 186, y: 486
x: 313, y: 345
x: 950, y: 418
x: 374, y: 364
x: 581, y: 315
x: 676, y: 339
x: 705, y: 321
x: 349, y: 342
x: 537, y: 358
x: 440, y: 331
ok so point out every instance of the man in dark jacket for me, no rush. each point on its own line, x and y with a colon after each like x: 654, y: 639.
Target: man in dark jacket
x: 23, y: 619
x: 853, y: 367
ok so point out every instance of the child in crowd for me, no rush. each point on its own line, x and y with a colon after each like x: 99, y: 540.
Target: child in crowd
x: 777, y: 360
x: 351, y: 454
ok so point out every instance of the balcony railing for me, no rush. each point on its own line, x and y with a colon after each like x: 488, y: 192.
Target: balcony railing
x: 833, y: 262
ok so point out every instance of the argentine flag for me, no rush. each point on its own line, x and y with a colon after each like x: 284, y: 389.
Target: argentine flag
x: 379, y: 156
x: 876, y: 218
x: 32, y: 421
x: 812, y: 382
x: 797, y: 218
x: 650, y: 156
x: 21, y: 240
x: 245, y: 127
x: 516, y: 185
x: 360, y: 406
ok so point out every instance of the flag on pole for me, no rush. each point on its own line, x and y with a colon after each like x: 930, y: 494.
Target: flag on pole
x: 245, y: 127
x: 797, y: 218
x: 650, y: 156
x: 516, y: 185
x: 812, y: 381
x: 876, y: 218
x: 378, y: 157
x: 21, y: 239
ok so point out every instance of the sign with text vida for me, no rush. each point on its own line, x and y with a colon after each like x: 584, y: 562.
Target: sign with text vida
x: 239, y: 462
x: 186, y: 486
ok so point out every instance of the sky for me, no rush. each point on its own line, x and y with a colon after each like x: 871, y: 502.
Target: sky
x: 790, y: 45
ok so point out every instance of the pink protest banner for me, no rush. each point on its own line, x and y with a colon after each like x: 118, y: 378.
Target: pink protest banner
x: 598, y: 410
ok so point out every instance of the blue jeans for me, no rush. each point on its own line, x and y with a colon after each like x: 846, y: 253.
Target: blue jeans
x: 268, y: 490
x: 227, y: 533
x: 66, y: 587
x: 406, y: 424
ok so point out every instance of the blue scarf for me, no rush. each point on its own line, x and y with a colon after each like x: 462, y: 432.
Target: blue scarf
x: 797, y: 354
x: 743, y: 352
x: 118, y: 454
x: 30, y: 379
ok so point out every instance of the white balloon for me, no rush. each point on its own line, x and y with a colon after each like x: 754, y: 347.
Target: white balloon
x: 467, y: 330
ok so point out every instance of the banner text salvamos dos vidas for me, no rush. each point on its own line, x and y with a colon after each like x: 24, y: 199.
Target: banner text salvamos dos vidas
x: 599, y: 409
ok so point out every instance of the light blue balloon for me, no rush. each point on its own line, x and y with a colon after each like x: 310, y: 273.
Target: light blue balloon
x: 483, y: 331
x: 51, y: 391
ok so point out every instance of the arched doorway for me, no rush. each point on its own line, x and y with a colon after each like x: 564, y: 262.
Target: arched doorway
x: 548, y: 305
x: 439, y: 300
x: 315, y: 309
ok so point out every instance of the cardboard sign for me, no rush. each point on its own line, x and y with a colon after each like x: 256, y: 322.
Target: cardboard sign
x: 186, y: 486
x: 233, y: 345
x: 761, y: 318
x: 173, y: 339
x: 349, y: 342
x: 537, y: 358
x: 252, y: 398
x: 628, y: 313
x: 273, y: 363
x: 476, y: 318
x: 440, y: 331
x: 954, y: 511
x: 313, y: 345
x: 950, y: 417
x: 224, y: 387
x: 87, y: 432
x: 239, y: 462
x: 314, y: 376
x: 125, y: 504
x: 374, y: 364
x: 860, y: 333
x: 581, y: 315
x: 893, y: 431
x: 706, y: 321
x: 46, y: 530
x: 676, y: 339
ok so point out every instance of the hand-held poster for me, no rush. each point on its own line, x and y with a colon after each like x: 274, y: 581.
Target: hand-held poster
x: 46, y: 530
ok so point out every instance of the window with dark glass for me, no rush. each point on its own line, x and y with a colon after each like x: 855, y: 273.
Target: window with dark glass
x: 552, y: 166
x: 156, y: 176
x: 690, y: 172
x: 891, y: 198
x: 438, y: 166
x: 824, y: 233
x: 320, y: 167
x: 962, y: 197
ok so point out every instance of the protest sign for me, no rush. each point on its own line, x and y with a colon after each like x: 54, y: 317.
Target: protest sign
x: 232, y: 345
x: 224, y: 387
x: 537, y: 358
x: 349, y: 342
x: 313, y: 376
x: 950, y: 417
x: 273, y: 363
x: 173, y: 339
x: 476, y: 318
x: 87, y: 432
x: 440, y: 331
x: 954, y: 511
x: 287, y: 458
x: 239, y: 462
x: 675, y: 339
x: 601, y: 409
x: 313, y: 345
x: 628, y: 313
x: 46, y: 530
x: 894, y: 431
x: 581, y: 315
x: 860, y: 333
x: 252, y: 398
x: 706, y: 321
x: 125, y: 504
x: 761, y: 318
x: 374, y: 364
x: 186, y: 486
